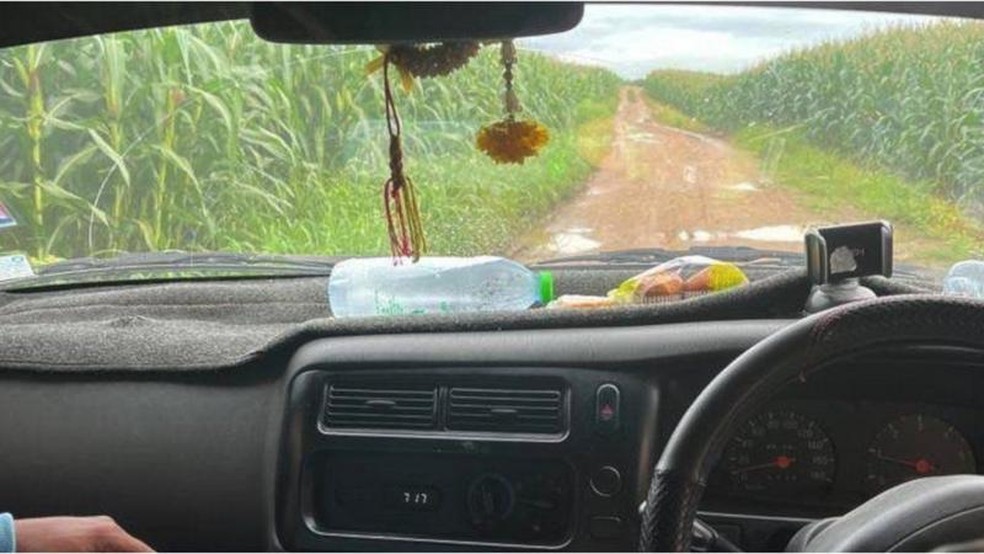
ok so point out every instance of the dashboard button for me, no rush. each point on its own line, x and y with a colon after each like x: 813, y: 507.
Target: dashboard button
x: 606, y: 481
x: 607, y: 408
x: 606, y: 527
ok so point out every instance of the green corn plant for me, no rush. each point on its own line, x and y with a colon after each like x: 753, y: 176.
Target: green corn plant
x: 907, y: 99
x: 206, y: 137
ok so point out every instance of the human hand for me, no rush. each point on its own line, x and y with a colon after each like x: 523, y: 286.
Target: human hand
x: 74, y: 534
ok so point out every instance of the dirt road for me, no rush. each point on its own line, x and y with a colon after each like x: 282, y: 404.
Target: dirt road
x: 661, y: 186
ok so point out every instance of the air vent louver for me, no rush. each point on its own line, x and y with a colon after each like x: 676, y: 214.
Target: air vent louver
x: 381, y: 407
x: 505, y: 410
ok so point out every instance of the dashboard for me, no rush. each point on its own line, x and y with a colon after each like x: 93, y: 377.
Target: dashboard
x: 559, y: 457
x: 500, y: 440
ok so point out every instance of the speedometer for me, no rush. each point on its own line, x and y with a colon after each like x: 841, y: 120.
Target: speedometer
x: 780, y: 452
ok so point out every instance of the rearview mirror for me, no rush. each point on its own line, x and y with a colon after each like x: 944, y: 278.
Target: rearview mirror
x: 410, y: 22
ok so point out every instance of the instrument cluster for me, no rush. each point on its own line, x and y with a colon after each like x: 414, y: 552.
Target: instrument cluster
x: 828, y: 456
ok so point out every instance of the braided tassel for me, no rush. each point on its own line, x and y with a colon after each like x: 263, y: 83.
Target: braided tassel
x: 406, y: 231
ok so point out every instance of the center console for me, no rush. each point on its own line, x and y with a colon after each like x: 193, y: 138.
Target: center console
x: 464, y: 457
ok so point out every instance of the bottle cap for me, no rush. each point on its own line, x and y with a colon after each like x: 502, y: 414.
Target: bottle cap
x: 546, y: 287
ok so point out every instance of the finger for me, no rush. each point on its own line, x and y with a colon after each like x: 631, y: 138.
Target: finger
x: 124, y: 542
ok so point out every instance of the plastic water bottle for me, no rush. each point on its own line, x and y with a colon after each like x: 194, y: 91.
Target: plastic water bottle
x: 375, y: 286
x: 965, y: 279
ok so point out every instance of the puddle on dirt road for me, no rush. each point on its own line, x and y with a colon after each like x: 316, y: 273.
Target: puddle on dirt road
x: 744, y: 187
x: 701, y: 235
x: 690, y: 174
x: 572, y: 241
x: 578, y: 240
x: 773, y: 233
x: 643, y: 137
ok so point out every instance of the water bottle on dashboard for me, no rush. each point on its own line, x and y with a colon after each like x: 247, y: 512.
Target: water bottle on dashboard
x: 377, y: 286
x: 965, y: 279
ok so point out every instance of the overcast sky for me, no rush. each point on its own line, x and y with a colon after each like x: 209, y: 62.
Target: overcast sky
x: 634, y: 39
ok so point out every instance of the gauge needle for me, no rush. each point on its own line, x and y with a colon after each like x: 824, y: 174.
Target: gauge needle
x: 921, y: 466
x: 781, y: 462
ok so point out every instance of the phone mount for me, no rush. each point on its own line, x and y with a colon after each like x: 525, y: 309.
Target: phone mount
x: 838, y: 256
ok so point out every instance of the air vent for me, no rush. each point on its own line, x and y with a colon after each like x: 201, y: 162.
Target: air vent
x: 381, y: 407
x: 505, y: 410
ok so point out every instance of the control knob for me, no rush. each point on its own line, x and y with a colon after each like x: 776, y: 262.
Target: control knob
x: 491, y: 499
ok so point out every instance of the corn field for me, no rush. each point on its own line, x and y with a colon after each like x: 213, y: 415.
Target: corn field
x: 907, y: 99
x: 206, y: 137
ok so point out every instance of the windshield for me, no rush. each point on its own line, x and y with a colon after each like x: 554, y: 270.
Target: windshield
x: 669, y: 127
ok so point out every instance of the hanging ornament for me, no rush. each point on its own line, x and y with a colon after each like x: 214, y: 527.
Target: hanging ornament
x: 510, y: 140
x: 424, y: 60
x: 403, y: 223
x: 406, y: 232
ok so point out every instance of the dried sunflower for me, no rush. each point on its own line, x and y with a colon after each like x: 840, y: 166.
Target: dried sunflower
x: 424, y: 60
x: 512, y: 141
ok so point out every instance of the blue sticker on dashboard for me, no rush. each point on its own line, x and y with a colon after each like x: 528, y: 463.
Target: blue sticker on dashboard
x: 6, y: 218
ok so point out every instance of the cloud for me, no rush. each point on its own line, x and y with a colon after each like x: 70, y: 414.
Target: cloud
x: 635, y: 39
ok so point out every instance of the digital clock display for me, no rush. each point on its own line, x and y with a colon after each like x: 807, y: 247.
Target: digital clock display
x: 414, y: 498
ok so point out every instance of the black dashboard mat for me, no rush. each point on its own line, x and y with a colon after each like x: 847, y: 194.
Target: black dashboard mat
x: 209, y: 326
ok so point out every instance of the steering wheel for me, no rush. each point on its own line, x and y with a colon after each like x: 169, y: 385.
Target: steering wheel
x: 917, y: 515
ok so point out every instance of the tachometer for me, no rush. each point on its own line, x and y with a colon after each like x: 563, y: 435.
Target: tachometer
x: 780, y: 452
x: 915, y: 446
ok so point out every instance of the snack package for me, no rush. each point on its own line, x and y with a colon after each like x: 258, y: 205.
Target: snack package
x: 677, y: 279
x: 580, y: 301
